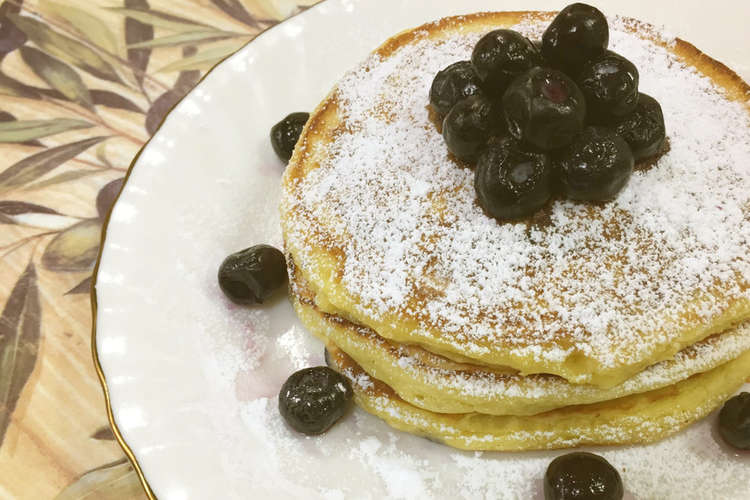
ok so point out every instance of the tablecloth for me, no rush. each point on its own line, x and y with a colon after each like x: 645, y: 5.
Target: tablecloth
x: 83, y: 85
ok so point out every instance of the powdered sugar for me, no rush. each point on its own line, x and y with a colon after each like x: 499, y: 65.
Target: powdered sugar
x: 292, y: 344
x: 486, y: 384
x: 690, y: 465
x: 602, y: 276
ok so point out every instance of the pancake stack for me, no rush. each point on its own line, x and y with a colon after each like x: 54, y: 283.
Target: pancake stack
x: 587, y: 324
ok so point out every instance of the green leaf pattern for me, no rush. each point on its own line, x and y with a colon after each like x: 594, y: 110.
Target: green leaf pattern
x: 58, y: 75
x: 115, y: 481
x: 159, y: 19
x: 187, y: 38
x: 32, y: 167
x: 19, y: 342
x: 85, y: 23
x: 77, y: 76
x: 67, y: 49
x: 22, y: 131
x: 138, y: 32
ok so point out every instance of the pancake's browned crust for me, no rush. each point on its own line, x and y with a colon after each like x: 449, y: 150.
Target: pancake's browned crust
x: 323, y: 127
x: 437, y: 384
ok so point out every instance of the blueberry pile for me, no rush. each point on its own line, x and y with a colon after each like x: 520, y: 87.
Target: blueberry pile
x: 563, y: 116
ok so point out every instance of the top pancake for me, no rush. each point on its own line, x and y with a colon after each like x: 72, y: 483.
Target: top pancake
x: 385, y: 228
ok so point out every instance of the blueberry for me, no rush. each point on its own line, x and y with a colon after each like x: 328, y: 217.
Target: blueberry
x: 457, y: 81
x: 582, y: 476
x: 285, y: 134
x: 510, y: 182
x: 313, y: 399
x: 252, y: 275
x: 544, y: 108
x: 500, y: 56
x: 734, y: 421
x: 577, y: 34
x: 610, y: 85
x: 468, y: 125
x: 643, y: 129
x: 596, y: 166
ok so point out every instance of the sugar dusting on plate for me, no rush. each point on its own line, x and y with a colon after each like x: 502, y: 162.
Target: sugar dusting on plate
x: 362, y: 458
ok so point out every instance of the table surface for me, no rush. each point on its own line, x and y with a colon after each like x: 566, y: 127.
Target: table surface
x: 83, y: 85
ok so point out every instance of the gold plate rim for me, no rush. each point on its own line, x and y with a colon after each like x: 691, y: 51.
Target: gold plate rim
x: 95, y: 274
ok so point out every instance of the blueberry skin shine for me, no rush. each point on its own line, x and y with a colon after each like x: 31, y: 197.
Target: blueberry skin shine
x: 610, y: 85
x: 734, y: 421
x: 596, y: 166
x: 501, y: 55
x: 544, y: 108
x: 313, y: 399
x: 469, y: 125
x: 582, y: 476
x: 577, y: 34
x: 252, y: 275
x: 285, y: 134
x: 511, y: 182
x: 452, y: 84
x: 643, y: 129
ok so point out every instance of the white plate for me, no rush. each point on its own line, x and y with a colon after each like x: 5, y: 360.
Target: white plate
x: 193, y: 379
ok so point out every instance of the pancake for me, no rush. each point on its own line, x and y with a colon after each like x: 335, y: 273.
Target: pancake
x: 384, y: 226
x: 640, y: 418
x: 434, y: 383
